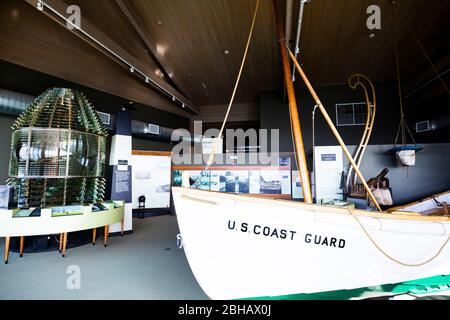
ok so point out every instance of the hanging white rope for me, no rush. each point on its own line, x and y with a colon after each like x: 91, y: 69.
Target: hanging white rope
x: 236, y: 86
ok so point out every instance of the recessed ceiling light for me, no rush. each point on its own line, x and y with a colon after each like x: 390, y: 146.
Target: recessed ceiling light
x: 159, y: 73
x: 161, y: 49
x: 15, y: 13
x: 227, y: 52
x: 160, y: 23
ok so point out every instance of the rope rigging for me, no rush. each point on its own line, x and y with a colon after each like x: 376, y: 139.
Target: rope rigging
x: 363, y: 228
x: 230, y: 105
x: 403, y: 127
x: 428, y: 59
x: 236, y: 86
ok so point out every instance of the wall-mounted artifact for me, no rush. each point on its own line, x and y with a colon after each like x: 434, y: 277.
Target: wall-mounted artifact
x: 58, y: 151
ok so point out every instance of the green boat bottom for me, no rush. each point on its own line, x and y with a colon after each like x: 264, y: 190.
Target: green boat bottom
x: 418, y: 288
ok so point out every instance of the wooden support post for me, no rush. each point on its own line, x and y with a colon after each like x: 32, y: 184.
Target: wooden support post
x: 106, y: 236
x: 94, y: 236
x: 8, y: 240
x: 61, y: 239
x: 122, y: 227
x: 64, y: 244
x: 22, y: 243
x: 293, y: 110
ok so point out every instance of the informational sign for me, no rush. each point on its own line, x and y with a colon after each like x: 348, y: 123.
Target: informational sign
x: 121, y: 184
x: 329, y: 167
x: 284, y: 162
x: 255, y: 179
x: 297, y: 191
x: 208, y: 145
x: 122, y: 165
x: 151, y: 178
x: 328, y: 157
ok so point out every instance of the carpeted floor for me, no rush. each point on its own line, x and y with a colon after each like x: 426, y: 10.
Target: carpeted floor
x: 143, y: 265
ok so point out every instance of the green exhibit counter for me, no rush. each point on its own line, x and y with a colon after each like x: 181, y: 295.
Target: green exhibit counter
x: 58, y: 220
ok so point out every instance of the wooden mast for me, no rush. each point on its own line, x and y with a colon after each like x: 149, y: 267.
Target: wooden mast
x: 293, y: 110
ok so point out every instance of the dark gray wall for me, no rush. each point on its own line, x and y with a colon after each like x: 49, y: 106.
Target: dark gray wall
x: 148, y: 145
x: 27, y: 81
x: 275, y: 115
x: 431, y: 174
x: 23, y: 80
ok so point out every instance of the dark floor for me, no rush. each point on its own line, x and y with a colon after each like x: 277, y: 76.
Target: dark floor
x: 143, y: 265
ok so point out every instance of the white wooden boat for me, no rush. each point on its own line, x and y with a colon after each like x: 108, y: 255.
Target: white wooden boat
x: 430, y: 206
x: 241, y: 247
x: 244, y: 247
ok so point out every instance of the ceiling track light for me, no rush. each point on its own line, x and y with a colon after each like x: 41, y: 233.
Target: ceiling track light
x: 40, y: 5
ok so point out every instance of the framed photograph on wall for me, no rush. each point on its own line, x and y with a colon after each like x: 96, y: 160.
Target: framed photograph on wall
x: 270, y: 182
x: 243, y: 182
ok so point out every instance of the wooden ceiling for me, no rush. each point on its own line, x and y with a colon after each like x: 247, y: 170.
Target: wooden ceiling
x: 335, y: 41
x: 184, y: 41
x: 188, y: 39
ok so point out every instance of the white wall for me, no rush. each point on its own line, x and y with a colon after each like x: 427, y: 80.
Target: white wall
x: 150, y: 173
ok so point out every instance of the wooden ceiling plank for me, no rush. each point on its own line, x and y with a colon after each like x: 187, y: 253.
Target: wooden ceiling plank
x: 31, y: 40
x: 135, y: 20
x: 61, y: 7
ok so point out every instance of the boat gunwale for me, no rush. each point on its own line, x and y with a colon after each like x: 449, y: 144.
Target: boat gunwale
x: 392, y: 215
x: 418, y: 202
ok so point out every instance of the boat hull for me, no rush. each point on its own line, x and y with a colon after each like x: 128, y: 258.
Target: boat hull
x: 240, y: 247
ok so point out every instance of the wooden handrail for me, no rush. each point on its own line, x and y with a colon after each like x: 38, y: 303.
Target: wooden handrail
x: 293, y: 110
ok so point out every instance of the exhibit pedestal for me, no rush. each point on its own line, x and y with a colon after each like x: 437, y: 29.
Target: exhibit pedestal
x: 13, y: 223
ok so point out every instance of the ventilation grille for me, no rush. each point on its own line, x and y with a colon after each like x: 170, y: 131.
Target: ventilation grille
x: 105, y: 118
x: 423, y: 126
x: 153, y: 129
